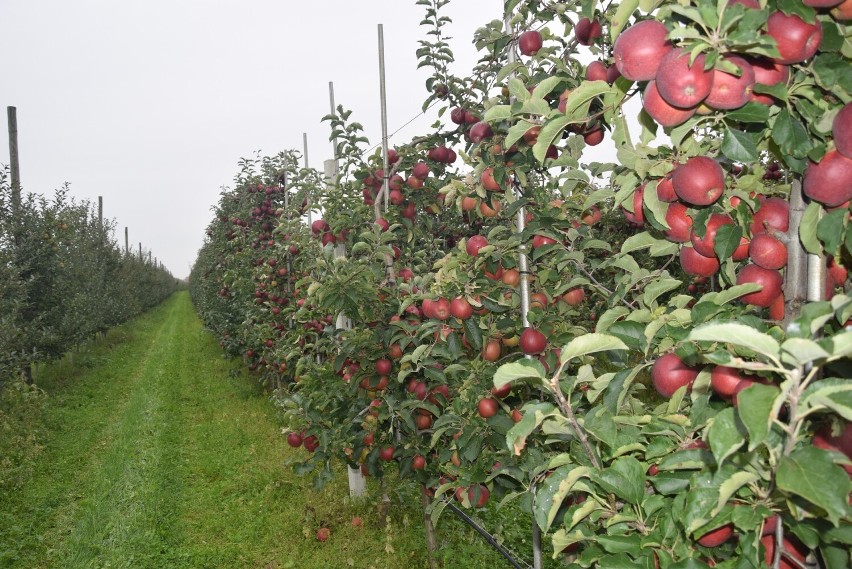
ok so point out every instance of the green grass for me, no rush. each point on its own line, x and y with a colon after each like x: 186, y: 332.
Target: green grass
x: 159, y: 453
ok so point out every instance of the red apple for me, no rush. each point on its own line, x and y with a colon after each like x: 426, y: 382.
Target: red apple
x: 767, y: 251
x: 824, y: 439
x: 792, y: 546
x: 767, y: 72
x: 662, y: 112
x: 587, y: 31
x: 841, y: 131
x: 796, y: 39
x: 842, y: 11
x: 596, y: 71
x: 323, y: 534
x: 488, y: 180
x: 574, y: 296
x: 731, y: 91
x: 694, y: 263
x: 681, y: 84
x: 706, y: 245
x: 487, y: 407
x: 830, y: 180
x: 480, y: 131
x: 294, y: 440
x: 770, y: 280
x: 670, y: 374
x: 474, y: 244
x: 724, y: 381
x: 699, y: 181
x: 383, y: 367
x: 319, y: 226
x: 637, y: 216
x: 386, y: 453
x: 679, y: 222
x: 718, y: 536
x: 461, y: 308
x: 640, y: 48
x: 530, y: 42
x: 772, y: 213
x: 441, y: 309
x: 533, y: 341
x: 665, y: 190
x: 418, y: 462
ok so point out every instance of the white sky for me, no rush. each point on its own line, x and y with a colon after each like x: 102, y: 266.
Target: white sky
x: 150, y: 104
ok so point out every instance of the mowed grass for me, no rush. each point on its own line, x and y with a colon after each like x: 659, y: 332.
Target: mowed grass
x: 161, y: 453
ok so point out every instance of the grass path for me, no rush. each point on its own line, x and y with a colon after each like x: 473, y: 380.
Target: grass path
x: 160, y: 454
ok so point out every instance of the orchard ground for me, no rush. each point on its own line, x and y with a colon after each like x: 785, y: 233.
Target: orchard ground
x: 160, y: 453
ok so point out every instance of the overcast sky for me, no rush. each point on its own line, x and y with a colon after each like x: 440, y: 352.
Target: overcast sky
x: 150, y: 104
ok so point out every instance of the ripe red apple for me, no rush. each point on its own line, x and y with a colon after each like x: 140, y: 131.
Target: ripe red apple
x: 294, y: 440
x: 574, y: 296
x: 694, y: 263
x: 640, y: 48
x: 718, y: 536
x: 679, y: 222
x: 487, y: 407
x: 533, y: 341
x: 592, y: 215
x: 842, y: 11
x: 418, y: 462
x: 637, y: 216
x: 772, y: 213
x: 530, y: 42
x: 796, y: 39
x: 474, y: 244
x: 770, y: 280
x: 488, y: 180
x: 480, y: 131
x: 665, y: 189
x: 841, y: 131
x: 311, y: 443
x: 767, y: 251
x: 323, y: 534
x: 661, y: 111
x: 383, y: 367
x: 502, y: 391
x: 438, y: 154
x: 767, y: 72
x: 596, y: 71
x: 670, y: 374
x: 478, y: 495
x: 386, y: 453
x: 680, y: 84
x: 594, y: 136
x: 541, y: 241
x: 441, y: 309
x: 724, y: 381
x: 792, y: 546
x: 319, y: 226
x: 491, y: 350
x: 830, y: 180
x: 706, y: 245
x: 730, y: 91
x: 461, y: 308
x: 778, y: 308
x: 457, y: 116
x: 699, y: 181
x: 587, y: 31
x: 836, y: 272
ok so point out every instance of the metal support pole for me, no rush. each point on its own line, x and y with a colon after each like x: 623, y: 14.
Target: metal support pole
x: 140, y: 250
x: 14, y: 166
x: 305, y: 144
x: 101, y: 211
x: 383, y: 97
x: 126, y: 242
x: 524, y: 283
x: 333, y: 112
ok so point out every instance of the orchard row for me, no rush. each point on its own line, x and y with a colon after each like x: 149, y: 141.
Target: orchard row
x: 631, y: 350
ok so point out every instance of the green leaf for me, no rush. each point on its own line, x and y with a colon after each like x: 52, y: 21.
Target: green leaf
x: 531, y: 418
x: 553, y: 492
x: 739, y: 335
x: 811, y: 474
x: 750, y: 113
x: 518, y: 90
x: 498, y: 113
x: 726, y: 435
x: 507, y: 70
x: 834, y: 394
x: 790, y: 135
x: 625, y: 478
x: 473, y: 333
x: 830, y: 230
x: 839, y: 345
x: 727, y: 240
x: 621, y: 17
x: 659, y: 287
x: 739, y: 146
x: 808, y: 228
x: 754, y: 409
x: 545, y: 86
x: 589, y: 344
x: 521, y: 369
x: 549, y: 132
x: 730, y: 487
x: 799, y: 351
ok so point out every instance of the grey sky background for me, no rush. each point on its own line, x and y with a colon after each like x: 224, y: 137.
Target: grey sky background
x: 151, y: 104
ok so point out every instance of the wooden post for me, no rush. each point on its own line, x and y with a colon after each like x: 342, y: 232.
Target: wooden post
x: 11, y: 114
